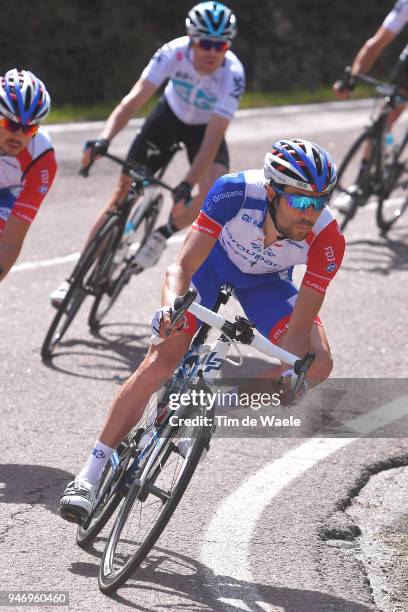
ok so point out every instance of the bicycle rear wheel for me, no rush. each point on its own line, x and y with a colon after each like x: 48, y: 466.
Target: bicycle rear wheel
x: 118, y: 268
x: 354, y: 187
x: 393, y: 200
x: 147, y: 509
x: 82, y: 283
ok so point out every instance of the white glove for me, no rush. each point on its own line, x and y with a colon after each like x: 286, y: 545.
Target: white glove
x: 287, y: 396
x: 158, y: 318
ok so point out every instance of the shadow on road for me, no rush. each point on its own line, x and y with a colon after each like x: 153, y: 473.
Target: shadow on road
x: 112, y: 353
x: 382, y: 255
x: 186, y: 584
x: 32, y: 484
x: 116, y: 350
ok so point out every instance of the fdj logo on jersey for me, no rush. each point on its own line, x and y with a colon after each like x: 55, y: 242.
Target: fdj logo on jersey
x: 213, y: 362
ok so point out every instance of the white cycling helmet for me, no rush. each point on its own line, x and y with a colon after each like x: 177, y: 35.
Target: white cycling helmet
x: 302, y: 164
x: 211, y: 20
x: 23, y: 98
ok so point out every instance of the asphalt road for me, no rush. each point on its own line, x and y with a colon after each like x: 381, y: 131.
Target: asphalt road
x: 261, y: 526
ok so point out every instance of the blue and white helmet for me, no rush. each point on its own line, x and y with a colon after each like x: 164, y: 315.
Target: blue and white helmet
x: 23, y: 98
x: 302, y: 164
x: 211, y: 20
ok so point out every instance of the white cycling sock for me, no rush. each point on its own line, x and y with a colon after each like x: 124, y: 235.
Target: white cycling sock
x: 96, y: 462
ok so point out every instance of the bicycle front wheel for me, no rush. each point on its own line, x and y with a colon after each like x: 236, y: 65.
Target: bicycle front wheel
x: 147, y: 509
x: 108, y: 496
x: 393, y: 200
x: 82, y: 283
x: 354, y: 183
x: 119, y: 268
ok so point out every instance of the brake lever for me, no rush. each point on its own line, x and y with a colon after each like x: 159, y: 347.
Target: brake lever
x: 181, y: 304
x: 85, y: 170
x: 301, y: 368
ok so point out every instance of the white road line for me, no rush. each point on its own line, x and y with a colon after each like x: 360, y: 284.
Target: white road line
x: 57, y: 261
x: 227, y: 538
x: 350, y: 105
x: 225, y: 552
x: 45, y: 263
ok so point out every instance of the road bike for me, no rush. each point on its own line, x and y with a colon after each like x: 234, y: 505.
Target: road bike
x: 145, y: 483
x: 108, y: 262
x: 384, y: 175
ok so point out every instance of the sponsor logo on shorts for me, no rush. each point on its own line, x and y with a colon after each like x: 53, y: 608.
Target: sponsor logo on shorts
x: 331, y: 267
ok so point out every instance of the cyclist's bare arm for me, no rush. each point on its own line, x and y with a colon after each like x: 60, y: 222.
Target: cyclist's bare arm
x: 307, y: 307
x: 195, y: 251
x: 367, y: 56
x: 11, y: 242
x: 140, y: 93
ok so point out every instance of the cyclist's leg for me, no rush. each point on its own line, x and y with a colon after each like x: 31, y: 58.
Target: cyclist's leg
x: 219, y: 166
x: 149, y: 148
x: 128, y: 406
x: 399, y: 77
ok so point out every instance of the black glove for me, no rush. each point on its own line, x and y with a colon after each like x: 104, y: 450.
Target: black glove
x: 182, y: 192
x: 348, y: 81
x: 99, y: 146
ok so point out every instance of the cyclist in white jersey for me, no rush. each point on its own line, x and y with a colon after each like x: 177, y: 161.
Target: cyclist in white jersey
x: 206, y: 81
x: 365, y: 59
x: 372, y: 49
x: 252, y: 229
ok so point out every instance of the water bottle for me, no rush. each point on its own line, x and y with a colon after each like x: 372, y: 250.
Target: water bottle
x: 388, y: 154
x: 388, y: 147
x: 129, y: 227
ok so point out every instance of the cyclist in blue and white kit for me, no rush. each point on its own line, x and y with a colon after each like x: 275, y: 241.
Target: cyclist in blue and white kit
x: 252, y: 229
x: 205, y: 83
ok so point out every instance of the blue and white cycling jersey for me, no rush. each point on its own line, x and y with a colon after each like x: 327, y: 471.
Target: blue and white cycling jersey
x: 234, y: 212
x: 192, y: 96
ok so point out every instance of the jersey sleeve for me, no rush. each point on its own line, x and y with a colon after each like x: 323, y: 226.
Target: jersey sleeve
x: 235, y: 86
x: 221, y: 204
x: 324, y: 259
x: 397, y: 18
x: 36, y: 184
x: 159, y: 67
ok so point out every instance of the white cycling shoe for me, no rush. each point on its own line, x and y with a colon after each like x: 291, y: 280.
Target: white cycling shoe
x: 58, y: 295
x: 150, y: 253
x: 77, y: 500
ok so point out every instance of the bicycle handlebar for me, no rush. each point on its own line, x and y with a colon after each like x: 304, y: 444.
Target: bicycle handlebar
x: 384, y: 89
x: 262, y: 344
x: 137, y: 173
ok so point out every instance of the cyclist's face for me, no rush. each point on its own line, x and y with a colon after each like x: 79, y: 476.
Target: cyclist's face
x: 12, y: 143
x: 205, y: 61
x: 295, y: 223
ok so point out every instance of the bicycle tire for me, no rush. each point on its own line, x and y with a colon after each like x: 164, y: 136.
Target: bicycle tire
x: 109, y: 578
x: 354, y: 193
x: 109, y: 498
x: 78, y: 290
x: 393, y: 199
x: 104, y: 300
